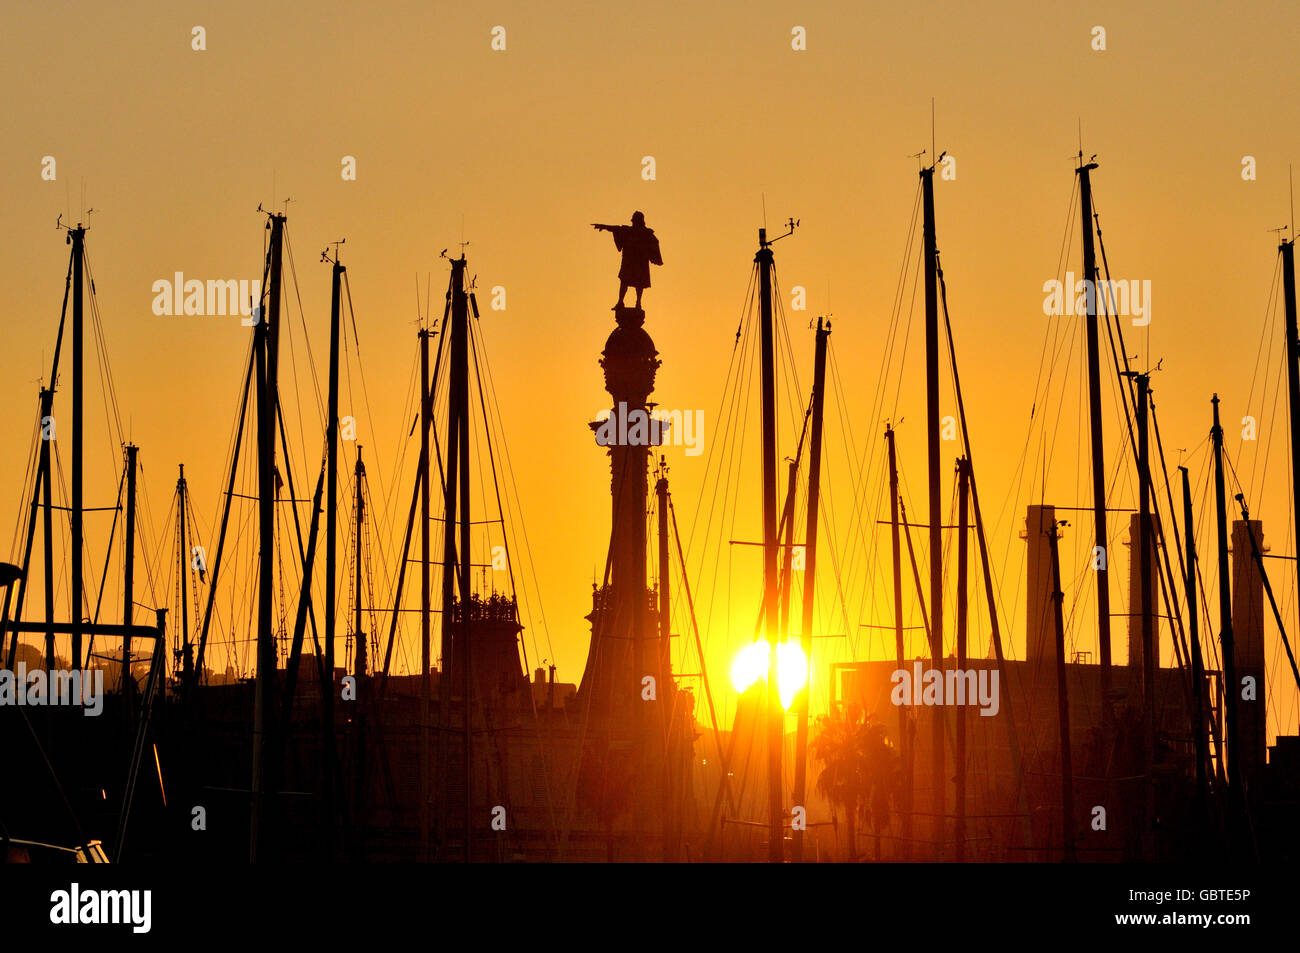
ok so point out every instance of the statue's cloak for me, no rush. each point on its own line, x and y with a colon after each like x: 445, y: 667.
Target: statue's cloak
x: 640, y: 250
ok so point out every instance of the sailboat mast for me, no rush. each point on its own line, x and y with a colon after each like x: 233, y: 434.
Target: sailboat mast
x: 182, y: 569
x: 426, y: 411
x: 1198, y: 665
x: 665, y: 613
x: 450, y: 485
x: 267, y: 401
x: 774, y: 719
x: 128, y: 580
x: 1287, y: 251
x: 963, y: 530
x: 810, y: 576
x: 331, y: 491
x: 78, y: 238
x: 674, y: 781
x: 359, y: 650
x: 47, y: 532
x: 1101, y: 555
x: 931, y: 253
x: 460, y: 384
x: 456, y: 567
x: 331, y: 526
x: 1062, y: 700
x: 1230, y: 686
x: 1145, y: 546
x: 904, y: 734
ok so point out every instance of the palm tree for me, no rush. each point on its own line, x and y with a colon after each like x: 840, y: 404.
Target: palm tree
x: 883, y: 774
x: 859, y: 770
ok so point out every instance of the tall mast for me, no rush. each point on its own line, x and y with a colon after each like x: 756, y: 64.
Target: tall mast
x: 1145, y: 545
x: 774, y: 719
x: 460, y: 387
x: 47, y: 531
x: 1287, y: 250
x: 359, y: 657
x: 665, y: 613
x: 1098, y: 447
x: 183, y: 569
x: 426, y: 412
x: 1062, y: 701
x: 450, y: 486
x: 128, y: 580
x: 78, y: 238
x: 1230, y: 686
x: 963, y: 529
x: 672, y: 774
x: 1198, y: 665
x: 265, y: 349
x: 810, y: 576
x: 787, y: 559
x: 904, y: 732
x: 331, y: 526
x: 456, y: 655
x: 936, y: 516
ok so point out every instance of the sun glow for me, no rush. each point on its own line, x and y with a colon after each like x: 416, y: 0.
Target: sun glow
x: 751, y: 663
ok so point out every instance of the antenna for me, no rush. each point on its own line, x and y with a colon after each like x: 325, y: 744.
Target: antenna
x: 931, y: 125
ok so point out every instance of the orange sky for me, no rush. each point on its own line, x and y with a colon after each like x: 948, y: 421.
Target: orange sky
x: 518, y: 151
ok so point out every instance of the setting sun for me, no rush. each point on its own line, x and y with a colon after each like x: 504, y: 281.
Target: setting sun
x: 751, y: 662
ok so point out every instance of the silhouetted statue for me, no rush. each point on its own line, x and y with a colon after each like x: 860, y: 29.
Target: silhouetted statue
x: 640, y: 250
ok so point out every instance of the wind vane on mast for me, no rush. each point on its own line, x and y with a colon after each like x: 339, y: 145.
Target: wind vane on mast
x: 791, y: 224
x: 325, y: 255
